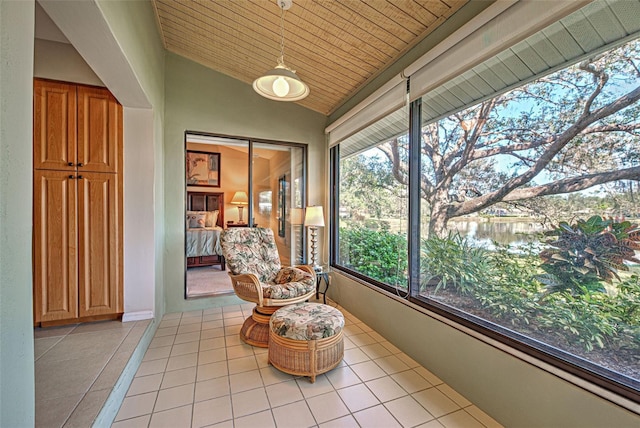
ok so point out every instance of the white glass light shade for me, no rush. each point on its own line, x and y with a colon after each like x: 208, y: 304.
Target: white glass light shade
x: 281, y: 87
x: 314, y: 217
x: 281, y: 84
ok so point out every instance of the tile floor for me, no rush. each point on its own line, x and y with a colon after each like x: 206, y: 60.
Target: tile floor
x: 197, y: 373
x: 76, y: 368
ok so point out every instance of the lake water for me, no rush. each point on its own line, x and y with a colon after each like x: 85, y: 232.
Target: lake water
x: 504, y: 232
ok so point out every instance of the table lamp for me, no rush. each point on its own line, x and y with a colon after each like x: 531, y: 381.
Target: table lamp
x: 240, y: 199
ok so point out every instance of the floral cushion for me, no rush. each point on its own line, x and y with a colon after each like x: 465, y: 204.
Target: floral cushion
x: 251, y: 250
x: 289, y: 282
x: 306, y: 321
x: 292, y: 274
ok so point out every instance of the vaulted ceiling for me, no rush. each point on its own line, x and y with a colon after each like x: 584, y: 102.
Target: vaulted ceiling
x: 335, y: 46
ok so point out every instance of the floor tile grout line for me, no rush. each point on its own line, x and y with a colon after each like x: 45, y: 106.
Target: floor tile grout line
x: 50, y: 348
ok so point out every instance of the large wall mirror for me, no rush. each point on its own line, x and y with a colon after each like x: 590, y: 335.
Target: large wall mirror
x: 236, y: 182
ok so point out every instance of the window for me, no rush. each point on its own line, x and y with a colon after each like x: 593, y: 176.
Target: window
x: 527, y: 216
x: 373, y: 207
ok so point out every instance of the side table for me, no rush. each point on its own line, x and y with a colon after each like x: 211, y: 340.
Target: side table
x: 240, y: 224
x: 320, y: 276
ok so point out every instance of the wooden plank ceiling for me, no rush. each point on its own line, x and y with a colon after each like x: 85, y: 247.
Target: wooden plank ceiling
x: 335, y: 46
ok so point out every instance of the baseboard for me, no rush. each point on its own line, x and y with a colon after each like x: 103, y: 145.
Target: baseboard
x: 137, y: 316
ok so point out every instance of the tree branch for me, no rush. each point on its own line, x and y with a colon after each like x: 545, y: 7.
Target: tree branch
x: 567, y: 185
x: 479, y: 122
x: 559, y: 142
x: 612, y: 128
x: 598, y: 75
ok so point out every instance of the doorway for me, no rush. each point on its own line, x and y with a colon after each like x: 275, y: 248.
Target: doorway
x: 239, y: 182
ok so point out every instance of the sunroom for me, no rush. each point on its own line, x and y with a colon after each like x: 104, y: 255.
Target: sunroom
x: 385, y: 164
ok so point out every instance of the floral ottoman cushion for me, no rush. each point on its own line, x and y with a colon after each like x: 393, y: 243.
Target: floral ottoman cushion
x: 306, y: 321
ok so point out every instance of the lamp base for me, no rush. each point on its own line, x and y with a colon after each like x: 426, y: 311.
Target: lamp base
x: 240, y: 209
x: 314, y: 248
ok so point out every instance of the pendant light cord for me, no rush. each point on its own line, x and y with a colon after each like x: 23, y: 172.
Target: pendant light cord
x: 282, y: 11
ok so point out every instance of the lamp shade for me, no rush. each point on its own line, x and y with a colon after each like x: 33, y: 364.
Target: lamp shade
x: 240, y: 198
x: 281, y: 84
x: 314, y: 216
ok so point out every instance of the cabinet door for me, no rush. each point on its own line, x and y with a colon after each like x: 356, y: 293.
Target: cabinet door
x: 54, y: 126
x: 54, y: 246
x: 99, y: 244
x: 99, y: 131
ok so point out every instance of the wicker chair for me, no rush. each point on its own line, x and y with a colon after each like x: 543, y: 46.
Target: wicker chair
x: 257, y: 276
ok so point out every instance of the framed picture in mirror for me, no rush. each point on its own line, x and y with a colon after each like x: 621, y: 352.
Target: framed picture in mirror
x: 282, y: 205
x: 203, y: 169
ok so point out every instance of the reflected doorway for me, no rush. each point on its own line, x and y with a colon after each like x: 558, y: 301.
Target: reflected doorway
x: 236, y: 182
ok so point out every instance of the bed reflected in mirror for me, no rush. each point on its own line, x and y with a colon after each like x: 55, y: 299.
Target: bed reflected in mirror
x: 216, y: 168
x: 205, y: 263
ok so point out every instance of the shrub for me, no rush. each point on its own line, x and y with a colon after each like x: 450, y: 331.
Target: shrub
x: 379, y: 254
x: 513, y: 292
x: 453, y: 261
x: 586, y: 253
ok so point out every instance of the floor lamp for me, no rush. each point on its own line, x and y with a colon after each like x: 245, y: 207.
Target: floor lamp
x: 240, y: 199
x: 313, y: 219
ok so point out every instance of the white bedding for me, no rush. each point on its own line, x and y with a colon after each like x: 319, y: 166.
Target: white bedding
x: 204, y: 241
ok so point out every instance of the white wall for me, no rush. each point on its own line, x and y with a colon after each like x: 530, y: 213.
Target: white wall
x: 60, y: 61
x: 139, y: 221
x: 17, y: 392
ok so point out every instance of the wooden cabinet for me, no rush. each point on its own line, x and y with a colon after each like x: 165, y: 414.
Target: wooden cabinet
x: 99, y: 130
x: 55, y: 245
x: 99, y: 244
x: 54, y: 126
x: 76, y: 128
x: 77, y: 210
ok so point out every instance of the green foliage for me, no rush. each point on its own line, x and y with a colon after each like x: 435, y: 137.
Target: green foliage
x: 587, y: 319
x: 626, y: 303
x: 504, y: 285
x: 513, y: 292
x: 453, y: 261
x: 586, y: 253
x: 380, y: 254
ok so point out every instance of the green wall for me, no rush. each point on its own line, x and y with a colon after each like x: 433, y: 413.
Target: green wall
x: 17, y: 391
x: 199, y: 99
x: 512, y: 391
x: 133, y: 24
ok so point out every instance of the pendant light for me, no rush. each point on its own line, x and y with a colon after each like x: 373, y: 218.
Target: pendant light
x: 281, y: 83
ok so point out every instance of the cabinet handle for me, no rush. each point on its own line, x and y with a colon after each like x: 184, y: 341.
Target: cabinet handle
x: 80, y: 164
x: 71, y: 176
x: 79, y: 177
x: 71, y: 164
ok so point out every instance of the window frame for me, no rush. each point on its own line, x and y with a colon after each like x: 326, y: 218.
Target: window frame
x: 487, y: 331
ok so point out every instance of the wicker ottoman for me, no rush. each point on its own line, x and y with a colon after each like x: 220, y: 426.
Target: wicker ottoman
x: 306, y: 339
